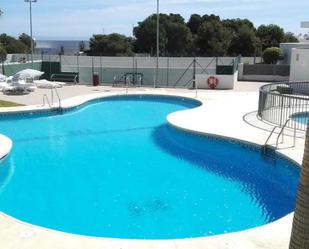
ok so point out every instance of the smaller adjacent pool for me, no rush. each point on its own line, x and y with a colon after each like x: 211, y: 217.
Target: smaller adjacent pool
x: 301, y: 117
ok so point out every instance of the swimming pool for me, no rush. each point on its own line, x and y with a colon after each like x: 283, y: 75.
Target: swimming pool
x: 302, y: 117
x: 114, y: 168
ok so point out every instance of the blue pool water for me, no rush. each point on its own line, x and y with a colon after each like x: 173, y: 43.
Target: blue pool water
x: 116, y: 169
x: 301, y: 118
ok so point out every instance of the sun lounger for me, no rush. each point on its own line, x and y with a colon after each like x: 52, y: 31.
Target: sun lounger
x: 48, y: 84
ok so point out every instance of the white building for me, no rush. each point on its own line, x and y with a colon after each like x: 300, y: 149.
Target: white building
x: 299, y: 59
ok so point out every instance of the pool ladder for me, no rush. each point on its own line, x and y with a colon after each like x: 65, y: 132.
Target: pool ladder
x: 267, y: 148
x: 53, y: 92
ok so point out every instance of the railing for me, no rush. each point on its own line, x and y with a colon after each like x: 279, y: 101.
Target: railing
x: 57, y: 94
x: 279, y: 102
x: 51, y: 103
x: 46, y: 100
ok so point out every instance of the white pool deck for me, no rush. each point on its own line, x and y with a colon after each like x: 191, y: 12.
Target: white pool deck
x: 230, y: 113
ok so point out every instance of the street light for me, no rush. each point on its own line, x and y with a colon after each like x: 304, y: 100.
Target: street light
x: 158, y: 48
x: 30, y: 5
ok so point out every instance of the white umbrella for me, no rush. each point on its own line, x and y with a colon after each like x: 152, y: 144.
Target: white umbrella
x: 27, y: 73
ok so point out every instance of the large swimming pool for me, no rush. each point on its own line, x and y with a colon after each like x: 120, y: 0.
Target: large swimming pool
x: 114, y: 168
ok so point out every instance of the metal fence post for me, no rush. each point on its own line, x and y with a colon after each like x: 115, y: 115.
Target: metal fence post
x: 77, y: 60
x: 194, y: 71
x: 50, y: 69
x: 92, y: 69
x: 167, y: 70
x: 101, y: 73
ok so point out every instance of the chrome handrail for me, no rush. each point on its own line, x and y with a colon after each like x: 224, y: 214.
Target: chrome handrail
x: 47, y: 100
x: 271, y: 133
x: 52, y: 96
x: 281, y: 132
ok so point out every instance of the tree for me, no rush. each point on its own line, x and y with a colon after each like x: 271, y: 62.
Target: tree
x: 236, y: 24
x: 179, y: 39
x: 270, y: 35
x: 111, y: 45
x: 213, y: 39
x: 244, y: 42
x: 289, y: 37
x: 175, y: 36
x: 272, y: 55
x: 26, y: 39
x: 3, y: 53
x: 194, y: 23
x: 145, y: 34
x: 300, y: 230
x: 13, y: 45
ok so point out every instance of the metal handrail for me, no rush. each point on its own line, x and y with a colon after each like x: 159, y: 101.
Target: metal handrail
x: 47, y: 100
x: 271, y: 133
x: 52, y: 96
x: 281, y: 132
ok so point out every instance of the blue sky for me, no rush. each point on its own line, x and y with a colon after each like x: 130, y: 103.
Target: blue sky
x: 79, y: 19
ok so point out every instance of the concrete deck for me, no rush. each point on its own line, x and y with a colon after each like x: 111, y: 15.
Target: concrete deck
x: 230, y: 113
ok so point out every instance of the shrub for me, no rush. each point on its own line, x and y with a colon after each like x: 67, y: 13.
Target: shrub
x: 272, y: 55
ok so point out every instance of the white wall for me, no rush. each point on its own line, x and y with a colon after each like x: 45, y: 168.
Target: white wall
x: 299, y: 65
x: 287, y: 50
x: 225, y: 81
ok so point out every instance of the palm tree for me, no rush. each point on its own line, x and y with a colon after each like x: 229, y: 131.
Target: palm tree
x: 300, y: 229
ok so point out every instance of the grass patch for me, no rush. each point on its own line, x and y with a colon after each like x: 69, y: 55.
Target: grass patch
x: 8, y: 104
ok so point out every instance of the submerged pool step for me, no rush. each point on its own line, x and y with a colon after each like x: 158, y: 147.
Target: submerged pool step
x: 269, y: 154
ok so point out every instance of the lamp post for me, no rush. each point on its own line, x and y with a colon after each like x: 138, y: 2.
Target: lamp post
x: 158, y: 48
x: 31, y: 35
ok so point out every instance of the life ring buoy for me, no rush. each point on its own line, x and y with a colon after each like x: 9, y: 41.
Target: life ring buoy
x: 212, y: 82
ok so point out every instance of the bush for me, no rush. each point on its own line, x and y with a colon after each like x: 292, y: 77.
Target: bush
x: 2, y: 53
x: 272, y: 55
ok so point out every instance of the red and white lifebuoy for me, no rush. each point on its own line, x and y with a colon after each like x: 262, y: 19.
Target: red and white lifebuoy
x: 212, y: 82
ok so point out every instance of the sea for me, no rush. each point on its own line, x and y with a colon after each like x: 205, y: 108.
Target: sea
x: 51, y: 47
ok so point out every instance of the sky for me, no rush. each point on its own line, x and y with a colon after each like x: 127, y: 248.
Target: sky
x: 80, y: 19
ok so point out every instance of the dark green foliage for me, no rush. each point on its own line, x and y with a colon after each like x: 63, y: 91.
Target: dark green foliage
x: 145, y: 34
x: 3, y: 53
x: 213, y: 39
x: 13, y: 45
x: 289, y: 37
x: 270, y: 35
x: 272, y: 55
x: 26, y: 39
x: 244, y: 42
x: 110, y: 45
x: 206, y: 35
x: 175, y: 36
x: 194, y: 23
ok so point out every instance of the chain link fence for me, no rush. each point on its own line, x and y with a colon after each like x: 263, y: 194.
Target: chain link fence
x: 172, y: 71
